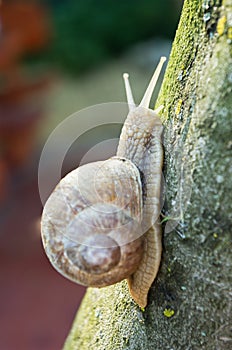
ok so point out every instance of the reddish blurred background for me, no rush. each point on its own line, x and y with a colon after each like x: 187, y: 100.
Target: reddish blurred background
x: 53, y: 57
x: 37, y: 304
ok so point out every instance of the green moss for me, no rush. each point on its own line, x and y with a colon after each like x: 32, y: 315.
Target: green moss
x: 101, y: 325
x: 221, y: 25
x: 201, y: 110
x: 195, y: 276
x: 168, y: 312
x: 178, y: 107
x: 229, y: 33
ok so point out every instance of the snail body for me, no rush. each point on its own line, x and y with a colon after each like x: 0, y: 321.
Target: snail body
x: 101, y: 223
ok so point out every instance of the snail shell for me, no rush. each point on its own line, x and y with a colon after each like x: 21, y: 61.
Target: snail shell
x: 91, y: 227
x: 101, y: 223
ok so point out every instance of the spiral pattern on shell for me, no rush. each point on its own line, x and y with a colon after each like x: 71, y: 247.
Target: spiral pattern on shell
x: 91, y: 226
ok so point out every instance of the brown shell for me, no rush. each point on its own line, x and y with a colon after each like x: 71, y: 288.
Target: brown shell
x: 91, y: 226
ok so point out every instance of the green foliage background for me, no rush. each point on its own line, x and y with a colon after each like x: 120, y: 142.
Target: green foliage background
x: 87, y: 32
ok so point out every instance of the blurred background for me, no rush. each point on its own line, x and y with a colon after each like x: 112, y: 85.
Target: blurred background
x: 57, y: 57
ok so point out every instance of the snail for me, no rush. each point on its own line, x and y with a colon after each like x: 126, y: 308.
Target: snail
x: 101, y: 223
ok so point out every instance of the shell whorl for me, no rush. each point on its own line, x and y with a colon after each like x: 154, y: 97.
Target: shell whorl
x: 91, y: 227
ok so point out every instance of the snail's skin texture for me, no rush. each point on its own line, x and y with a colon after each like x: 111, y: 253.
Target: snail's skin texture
x: 142, y: 145
x: 101, y: 223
